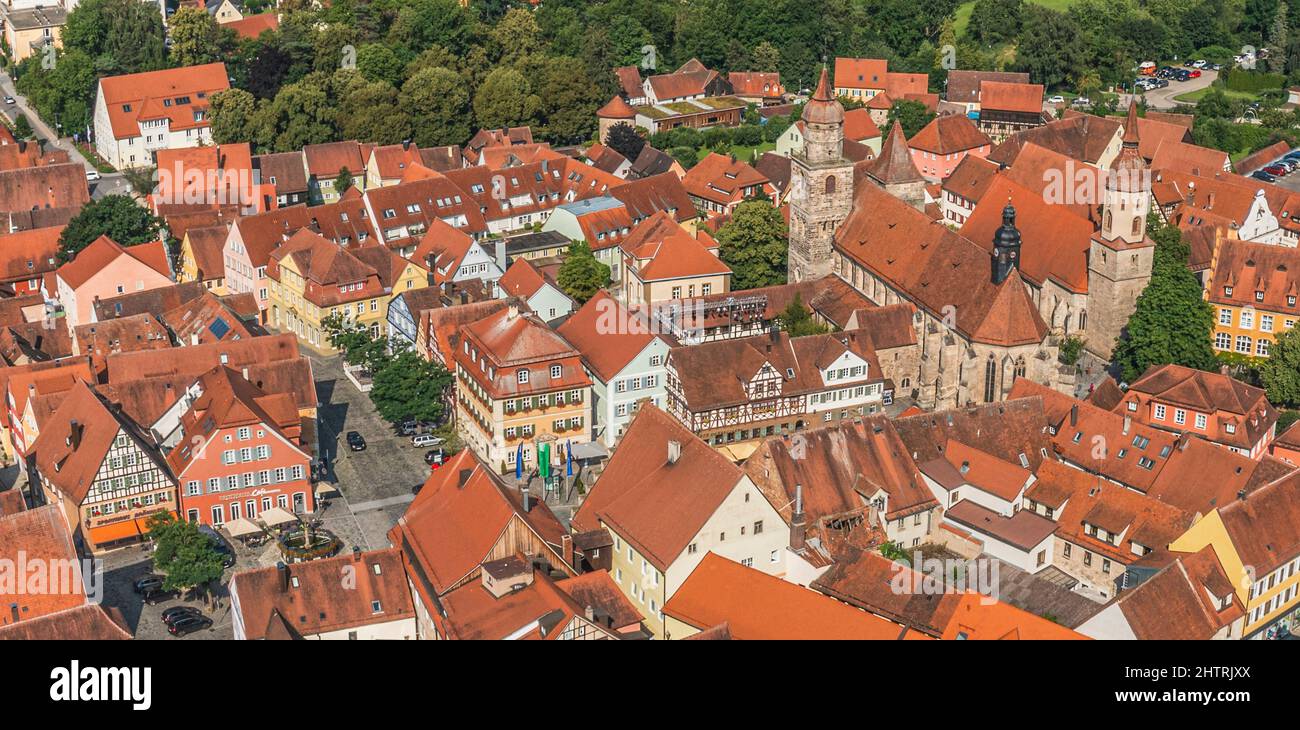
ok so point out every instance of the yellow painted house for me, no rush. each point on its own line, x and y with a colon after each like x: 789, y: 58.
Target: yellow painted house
x: 312, y: 278
x: 1257, y: 541
x: 201, y: 258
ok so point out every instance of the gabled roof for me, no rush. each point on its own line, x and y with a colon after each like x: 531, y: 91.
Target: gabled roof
x: 606, y: 352
x: 29, y: 254
x: 975, y: 618
x: 971, y: 178
x: 648, y: 195
x: 1012, y: 97
x: 60, y: 186
x: 758, y: 606
x: 539, y: 611
x: 656, y: 506
x: 229, y: 401
x: 721, y: 179
x: 1173, y: 604
x: 964, y: 86
x: 662, y: 250
x: 935, y: 267
x: 91, y: 622
x: 1189, y: 158
x: 1200, y: 390
x: 309, y: 597
x: 1265, y: 525
x: 457, y: 518
x: 252, y: 26
x: 103, y: 251
x: 74, y: 442
x: 328, y: 159
x: 177, y: 94
x: 860, y: 73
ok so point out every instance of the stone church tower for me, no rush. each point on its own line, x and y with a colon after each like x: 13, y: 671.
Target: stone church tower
x: 1120, y: 254
x: 821, y: 181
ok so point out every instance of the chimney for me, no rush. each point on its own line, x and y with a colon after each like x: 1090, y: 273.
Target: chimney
x: 406, y: 145
x: 1223, y: 369
x: 774, y: 333
x: 798, y: 526
x: 513, y: 310
x: 589, y: 612
x: 1183, y: 440
x: 566, y: 550
x: 74, y: 435
x: 1128, y: 422
x: 674, y: 451
x: 245, y: 371
x: 464, y: 297
x: 1074, y: 415
x: 356, y: 553
x: 283, y: 570
x: 501, y: 253
x: 1241, y: 494
x: 528, y: 499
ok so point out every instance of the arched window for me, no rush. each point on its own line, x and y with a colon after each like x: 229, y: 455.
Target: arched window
x: 1020, y: 367
x: 830, y: 184
x: 1108, y: 220
x: 1137, y: 225
x: 990, y: 379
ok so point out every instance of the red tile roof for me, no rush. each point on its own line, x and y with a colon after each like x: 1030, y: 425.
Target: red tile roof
x: 1011, y: 97
x: 978, y: 618
x: 29, y: 254
x: 656, y: 506
x: 757, y: 606
x: 252, y: 26
x: 606, y: 352
x: 860, y: 73
x: 38, y: 537
x: 948, y: 135
x: 175, y: 94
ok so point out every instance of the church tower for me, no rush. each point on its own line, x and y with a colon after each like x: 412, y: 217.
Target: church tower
x: 821, y: 187
x: 1120, y: 255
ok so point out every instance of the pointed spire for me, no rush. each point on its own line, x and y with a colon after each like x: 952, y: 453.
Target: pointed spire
x: 894, y: 165
x: 1131, y: 124
x: 823, y: 92
x: 823, y: 107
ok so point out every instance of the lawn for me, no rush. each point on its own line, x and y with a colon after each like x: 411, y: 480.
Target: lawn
x: 1192, y: 97
x: 743, y: 153
x: 962, y: 18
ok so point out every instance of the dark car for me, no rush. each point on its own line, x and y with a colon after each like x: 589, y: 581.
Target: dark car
x: 158, y: 595
x: 176, y: 613
x: 355, y: 441
x: 1264, y: 176
x: 149, y: 582
x: 221, y: 546
x: 435, y: 458
x: 188, y: 625
x: 408, y: 428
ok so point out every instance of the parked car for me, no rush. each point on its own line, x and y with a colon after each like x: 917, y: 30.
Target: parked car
x: 1290, y: 165
x: 92, y: 175
x: 425, y: 439
x: 188, y: 625
x: 1275, y: 170
x: 1082, y: 101
x: 150, y: 582
x: 1264, y: 176
x: 435, y: 458
x: 355, y: 441
x: 175, y: 613
x: 157, y: 595
x: 1195, y: 74
x: 1057, y: 99
x: 222, y: 546
x: 1294, y: 155
x: 1200, y: 63
x: 10, y: 100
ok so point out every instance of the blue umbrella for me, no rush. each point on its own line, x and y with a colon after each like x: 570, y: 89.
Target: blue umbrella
x: 519, y: 462
x: 568, y: 458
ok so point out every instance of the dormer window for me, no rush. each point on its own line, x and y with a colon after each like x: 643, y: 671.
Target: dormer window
x: 1290, y: 301
x: 1259, y: 296
x: 522, y: 376
x: 1227, y: 291
x: 1132, y: 405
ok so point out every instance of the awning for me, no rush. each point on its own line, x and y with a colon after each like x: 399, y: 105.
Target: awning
x: 241, y: 528
x: 589, y: 450
x: 325, y: 489
x: 276, y: 516
x: 124, y: 530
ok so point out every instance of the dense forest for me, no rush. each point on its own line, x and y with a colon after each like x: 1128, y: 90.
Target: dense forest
x: 432, y: 71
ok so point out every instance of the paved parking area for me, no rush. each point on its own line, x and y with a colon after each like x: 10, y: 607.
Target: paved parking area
x: 375, y: 484
x: 121, y: 569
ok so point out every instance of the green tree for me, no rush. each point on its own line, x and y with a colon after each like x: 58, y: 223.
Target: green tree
x: 569, y: 101
x: 22, y: 127
x: 123, y: 36
x: 1050, y: 46
x: 797, y: 321
x: 187, y: 558
x: 368, y: 110
x: 506, y: 99
x: 438, y: 106
x: 995, y: 21
x: 516, y: 37
x: 407, y: 386
x: 354, y: 341
x: 232, y: 116
x: 623, y: 139
x: 581, y: 275
x: 115, y: 216
x: 912, y: 114
x: 1280, y: 372
x: 343, y: 182
x: 1171, y: 323
x: 766, y: 57
x: 378, y: 62
x: 754, y: 244
x: 301, y: 114
x: 196, y: 37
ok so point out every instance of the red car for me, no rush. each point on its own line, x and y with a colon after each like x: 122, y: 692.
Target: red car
x: 1275, y: 170
x: 1195, y: 73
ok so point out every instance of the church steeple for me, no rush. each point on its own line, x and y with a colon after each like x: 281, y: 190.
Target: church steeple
x: 821, y: 182
x: 1006, y: 246
x: 1128, y: 188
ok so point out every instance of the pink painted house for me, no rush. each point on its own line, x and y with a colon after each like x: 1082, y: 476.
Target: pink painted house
x: 939, y: 147
x: 249, y: 245
x: 105, y: 269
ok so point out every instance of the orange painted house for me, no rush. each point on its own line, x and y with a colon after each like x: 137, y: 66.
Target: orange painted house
x: 241, y: 451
